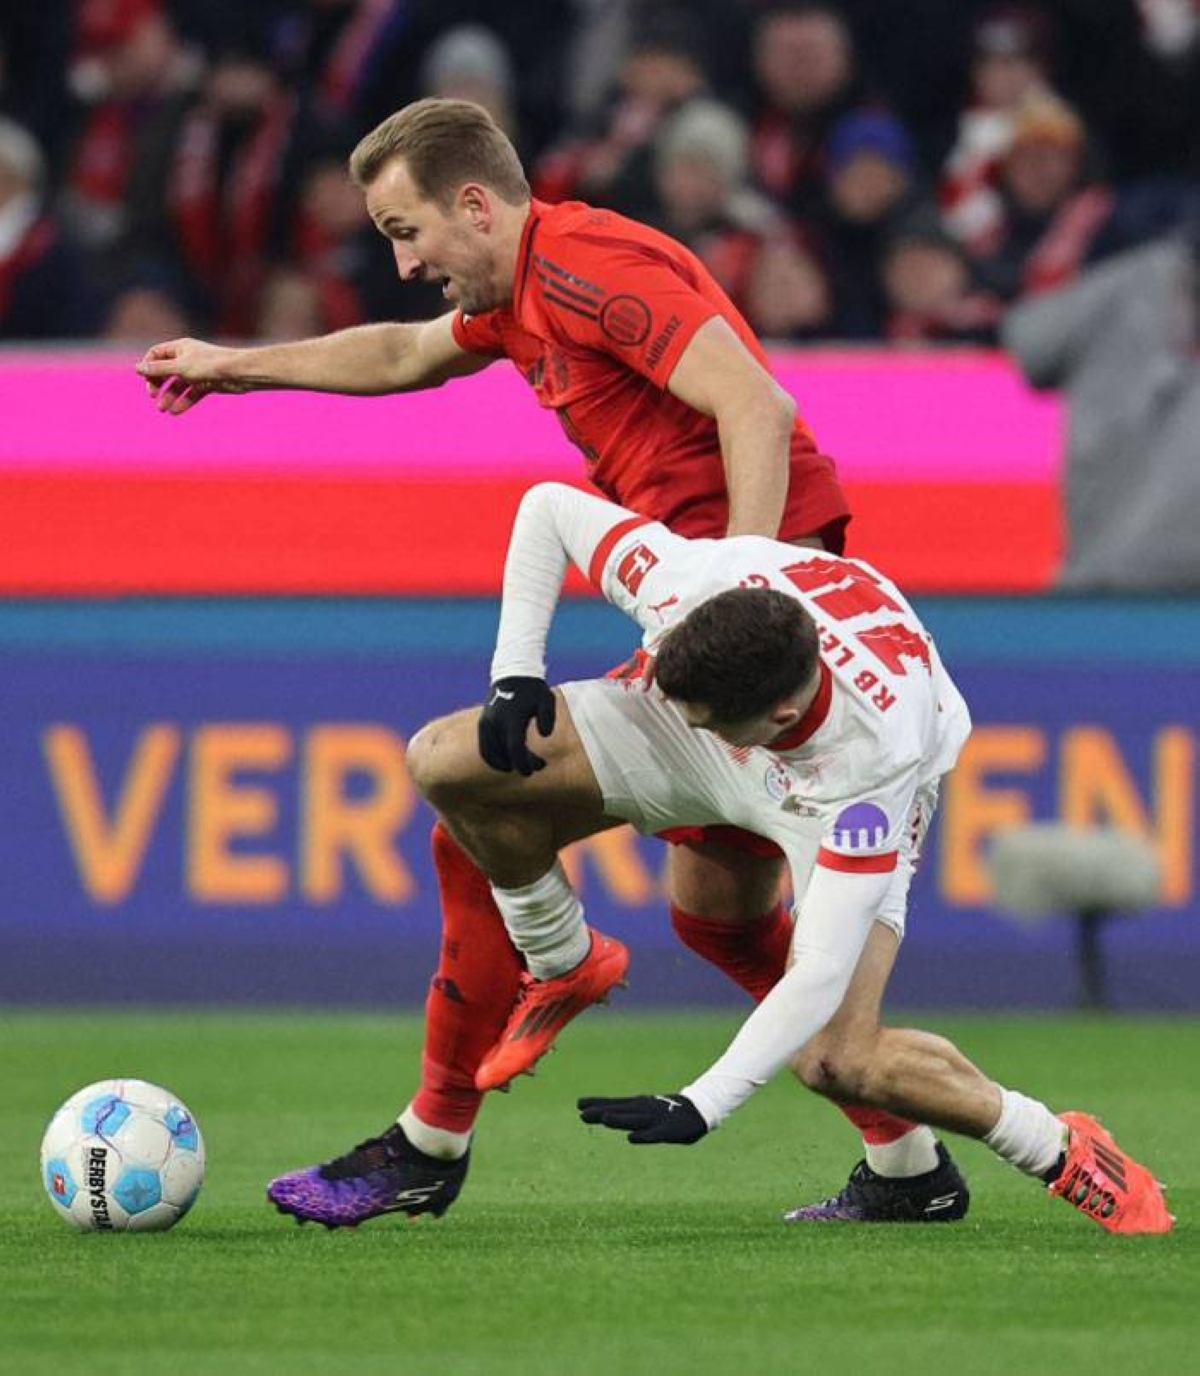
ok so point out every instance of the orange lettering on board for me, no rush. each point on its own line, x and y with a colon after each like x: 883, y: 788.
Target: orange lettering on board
x: 109, y: 850
x: 973, y: 811
x: 223, y: 810
x: 337, y: 828
x: 1096, y: 788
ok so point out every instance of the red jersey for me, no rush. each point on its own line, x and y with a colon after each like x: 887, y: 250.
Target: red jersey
x: 602, y: 309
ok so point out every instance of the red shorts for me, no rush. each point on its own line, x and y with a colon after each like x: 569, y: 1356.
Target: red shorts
x: 732, y: 837
x: 816, y: 505
x: 720, y: 835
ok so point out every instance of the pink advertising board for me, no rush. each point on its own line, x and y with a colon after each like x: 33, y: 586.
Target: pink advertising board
x: 884, y: 416
x: 950, y: 462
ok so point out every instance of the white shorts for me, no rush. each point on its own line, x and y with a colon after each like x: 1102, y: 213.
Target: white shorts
x: 656, y: 772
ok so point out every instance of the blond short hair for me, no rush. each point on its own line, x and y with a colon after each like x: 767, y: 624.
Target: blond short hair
x: 443, y: 144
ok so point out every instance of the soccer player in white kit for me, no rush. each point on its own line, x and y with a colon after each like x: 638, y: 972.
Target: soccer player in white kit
x: 796, y: 695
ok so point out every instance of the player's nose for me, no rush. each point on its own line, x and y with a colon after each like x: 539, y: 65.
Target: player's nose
x: 408, y: 265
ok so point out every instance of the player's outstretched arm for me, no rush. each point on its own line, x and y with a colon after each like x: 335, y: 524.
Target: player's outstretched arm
x: 836, y: 914
x: 368, y: 360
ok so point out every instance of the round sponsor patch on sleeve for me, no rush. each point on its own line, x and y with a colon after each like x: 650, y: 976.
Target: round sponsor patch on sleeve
x: 861, y: 826
x: 625, y: 319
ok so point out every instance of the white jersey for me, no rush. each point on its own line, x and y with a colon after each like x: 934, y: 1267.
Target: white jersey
x: 846, y: 794
x: 887, y: 718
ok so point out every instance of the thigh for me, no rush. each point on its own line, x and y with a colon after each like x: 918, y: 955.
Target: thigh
x: 445, y: 764
x: 722, y: 884
x: 653, y: 769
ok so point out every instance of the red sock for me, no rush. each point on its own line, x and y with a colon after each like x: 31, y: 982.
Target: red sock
x: 877, y: 1126
x: 754, y: 956
x: 471, y: 994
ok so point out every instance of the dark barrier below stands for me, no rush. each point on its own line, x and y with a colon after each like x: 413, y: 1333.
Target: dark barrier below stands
x: 207, y: 801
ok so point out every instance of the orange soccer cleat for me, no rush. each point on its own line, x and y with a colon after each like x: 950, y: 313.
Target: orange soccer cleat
x: 545, y: 1006
x: 1100, y: 1181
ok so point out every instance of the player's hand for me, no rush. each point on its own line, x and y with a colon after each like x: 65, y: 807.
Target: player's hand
x: 182, y: 372
x: 512, y: 704
x: 648, y: 1118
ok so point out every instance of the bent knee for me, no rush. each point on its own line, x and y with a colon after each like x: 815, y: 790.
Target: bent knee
x: 442, y: 758
x: 838, y: 1067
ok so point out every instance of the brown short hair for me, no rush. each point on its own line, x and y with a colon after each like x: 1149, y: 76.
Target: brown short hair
x: 739, y: 654
x: 444, y: 144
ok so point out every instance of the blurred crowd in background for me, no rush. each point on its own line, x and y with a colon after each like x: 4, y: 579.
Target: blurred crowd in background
x: 897, y: 170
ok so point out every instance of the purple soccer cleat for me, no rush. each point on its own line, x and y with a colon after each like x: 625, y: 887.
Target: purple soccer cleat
x: 938, y: 1196
x: 383, y: 1175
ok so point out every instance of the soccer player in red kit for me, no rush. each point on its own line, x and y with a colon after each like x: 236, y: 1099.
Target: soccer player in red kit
x: 663, y: 387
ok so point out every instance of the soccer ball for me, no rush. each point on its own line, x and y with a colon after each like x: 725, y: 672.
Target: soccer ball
x: 122, y: 1155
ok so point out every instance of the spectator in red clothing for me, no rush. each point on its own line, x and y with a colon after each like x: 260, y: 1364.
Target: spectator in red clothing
x: 138, y: 80
x: 612, y: 165
x: 335, y: 247
x: 1052, y: 212
x: 805, y: 71
x: 704, y: 201
x: 1010, y: 66
x: 790, y: 296
x: 228, y: 183
x: 929, y: 289
x: 330, y: 223
x: 702, y: 198
x: 44, y: 290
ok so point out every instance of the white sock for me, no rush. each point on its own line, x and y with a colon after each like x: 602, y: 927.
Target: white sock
x: 439, y: 1142
x: 1027, y: 1135
x: 545, y: 921
x: 913, y: 1154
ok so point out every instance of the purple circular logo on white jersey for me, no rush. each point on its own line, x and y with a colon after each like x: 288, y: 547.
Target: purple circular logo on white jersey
x: 861, y: 826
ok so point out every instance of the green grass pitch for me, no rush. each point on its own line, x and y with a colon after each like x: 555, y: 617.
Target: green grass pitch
x: 569, y: 1250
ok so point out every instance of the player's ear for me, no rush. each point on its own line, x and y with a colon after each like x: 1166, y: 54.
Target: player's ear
x: 475, y: 202
x: 786, y: 714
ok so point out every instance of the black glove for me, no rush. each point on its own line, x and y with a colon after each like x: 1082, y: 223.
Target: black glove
x: 652, y: 1117
x: 512, y: 704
